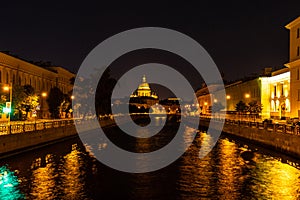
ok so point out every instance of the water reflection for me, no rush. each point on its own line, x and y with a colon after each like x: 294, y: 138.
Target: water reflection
x: 72, y: 175
x: 232, y: 170
x: 225, y: 174
x: 275, y: 179
x: 9, y: 185
x: 43, y: 179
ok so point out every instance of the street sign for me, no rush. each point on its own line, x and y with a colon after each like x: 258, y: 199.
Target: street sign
x: 7, y: 109
x: 8, y: 105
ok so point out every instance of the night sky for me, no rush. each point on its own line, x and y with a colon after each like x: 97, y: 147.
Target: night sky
x: 242, y: 38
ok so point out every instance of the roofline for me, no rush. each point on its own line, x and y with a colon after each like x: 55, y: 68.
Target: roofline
x: 293, y: 23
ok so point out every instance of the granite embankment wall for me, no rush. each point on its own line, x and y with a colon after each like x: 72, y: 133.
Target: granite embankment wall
x: 282, y: 138
x: 21, y: 139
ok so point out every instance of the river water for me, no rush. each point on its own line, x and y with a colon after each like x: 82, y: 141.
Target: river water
x: 232, y: 170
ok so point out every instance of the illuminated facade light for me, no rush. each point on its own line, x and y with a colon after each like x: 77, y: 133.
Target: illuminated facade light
x: 227, y: 96
x: 247, y: 95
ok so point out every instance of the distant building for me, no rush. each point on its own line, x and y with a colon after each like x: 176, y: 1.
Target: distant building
x: 17, y: 71
x: 171, y: 105
x: 144, y: 96
x: 144, y: 90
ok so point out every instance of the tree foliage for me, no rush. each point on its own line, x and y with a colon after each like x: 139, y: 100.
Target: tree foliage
x: 241, y: 107
x: 217, y: 107
x: 254, y: 107
x: 84, y: 93
x: 55, y: 99
x: 24, y: 100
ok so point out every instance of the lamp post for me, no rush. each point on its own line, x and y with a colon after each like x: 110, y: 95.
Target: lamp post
x: 44, y: 95
x: 9, y: 88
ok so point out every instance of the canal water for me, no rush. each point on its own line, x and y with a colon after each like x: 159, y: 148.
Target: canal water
x: 232, y: 170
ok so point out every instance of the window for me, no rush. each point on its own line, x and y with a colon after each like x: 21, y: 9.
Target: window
x: 0, y: 76
x: 298, y: 51
x: 275, y: 90
x: 298, y: 32
x: 282, y: 89
x: 7, y: 77
x: 298, y: 74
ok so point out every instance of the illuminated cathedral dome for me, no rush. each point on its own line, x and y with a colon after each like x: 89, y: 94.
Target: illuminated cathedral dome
x: 144, y: 90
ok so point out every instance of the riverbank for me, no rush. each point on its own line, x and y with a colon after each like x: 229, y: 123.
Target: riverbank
x: 281, y: 138
x: 27, y: 137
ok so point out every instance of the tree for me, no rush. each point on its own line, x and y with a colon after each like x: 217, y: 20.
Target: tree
x: 241, y: 107
x: 55, y: 100
x: 254, y: 108
x: 30, y: 102
x: 66, y: 105
x: 24, y: 100
x: 217, y: 107
x: 104, y: 92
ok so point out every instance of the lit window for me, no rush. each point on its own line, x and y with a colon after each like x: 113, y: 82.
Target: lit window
x: 277, y: 106
x: 272, y: 105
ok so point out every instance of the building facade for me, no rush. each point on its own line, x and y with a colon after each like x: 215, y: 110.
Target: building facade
x: 143, y: 96
x: 278, y: 92
x: 294, y: 65
x: 16, y: 71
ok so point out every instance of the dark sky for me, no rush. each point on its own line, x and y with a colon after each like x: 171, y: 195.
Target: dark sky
x: 242, y: 38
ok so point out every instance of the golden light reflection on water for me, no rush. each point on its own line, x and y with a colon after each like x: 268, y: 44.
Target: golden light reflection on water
x: 195, y: 173
x: 225, y: 174
x: 43, y: 180
x: 276, y: 180
x: 72, y: 175
x: 63, y: 181
x: 229, y: 170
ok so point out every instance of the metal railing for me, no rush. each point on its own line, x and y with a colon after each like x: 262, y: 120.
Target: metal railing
x: 271, y: 127
x: 19, y: 127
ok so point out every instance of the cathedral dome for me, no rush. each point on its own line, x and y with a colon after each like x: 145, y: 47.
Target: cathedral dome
x: 144, y: 90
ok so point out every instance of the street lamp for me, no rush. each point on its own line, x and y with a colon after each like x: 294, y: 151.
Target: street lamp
x: 8, y: 88
x: 44, y: 95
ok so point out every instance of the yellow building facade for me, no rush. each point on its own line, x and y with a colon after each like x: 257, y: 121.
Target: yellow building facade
x: 272, y: 92
x: 278, y: 92
x: 17, y: 71
x: 294, y: 65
